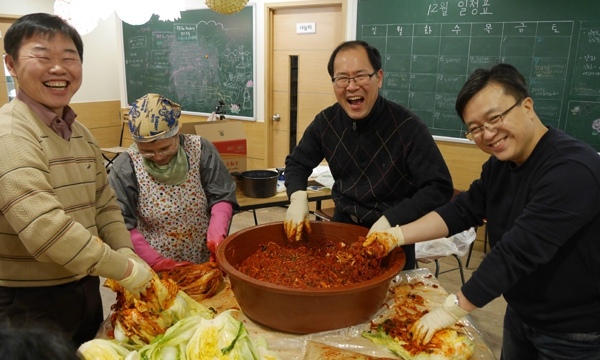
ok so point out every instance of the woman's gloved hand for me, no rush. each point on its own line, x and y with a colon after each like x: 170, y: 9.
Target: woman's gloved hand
x: 380, y: 243
x: 151, y: 256
x: 442, y: 317
x: 296, y: 216
x: 166, y: 264
x: 218, y: 226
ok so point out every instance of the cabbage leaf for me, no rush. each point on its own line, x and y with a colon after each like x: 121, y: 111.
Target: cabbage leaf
x: 102, y: 349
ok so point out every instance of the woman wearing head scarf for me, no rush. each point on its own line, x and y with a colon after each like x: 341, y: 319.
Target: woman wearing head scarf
x: 175, y: 192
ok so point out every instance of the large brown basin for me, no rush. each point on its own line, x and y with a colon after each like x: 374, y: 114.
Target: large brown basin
x: 304, y: 311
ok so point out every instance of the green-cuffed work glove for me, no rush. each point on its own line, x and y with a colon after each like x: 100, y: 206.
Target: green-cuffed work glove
x: 296, y: 216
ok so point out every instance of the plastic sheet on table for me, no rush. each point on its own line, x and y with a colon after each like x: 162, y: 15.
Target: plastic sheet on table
x: 454, y: 245
x: 293, y: 347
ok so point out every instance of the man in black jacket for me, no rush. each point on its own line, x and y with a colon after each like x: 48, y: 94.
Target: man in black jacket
x: 540, y: 194
x: 385, y: 163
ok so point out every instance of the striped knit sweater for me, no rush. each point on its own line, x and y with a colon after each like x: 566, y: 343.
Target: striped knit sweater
x: 59, y: 219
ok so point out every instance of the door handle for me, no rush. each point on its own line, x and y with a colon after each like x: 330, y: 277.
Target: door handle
x: 276, y: 117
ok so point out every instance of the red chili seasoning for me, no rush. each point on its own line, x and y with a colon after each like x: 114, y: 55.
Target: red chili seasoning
x: 311, y: 264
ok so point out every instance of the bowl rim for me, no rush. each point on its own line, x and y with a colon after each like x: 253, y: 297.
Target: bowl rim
x: 394, y: 269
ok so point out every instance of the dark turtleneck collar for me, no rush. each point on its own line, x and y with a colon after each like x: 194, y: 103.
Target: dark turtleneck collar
x: 365, y: 123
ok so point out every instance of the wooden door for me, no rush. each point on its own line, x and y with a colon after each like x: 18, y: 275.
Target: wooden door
x: 306, y: 54
x: 5, y: 23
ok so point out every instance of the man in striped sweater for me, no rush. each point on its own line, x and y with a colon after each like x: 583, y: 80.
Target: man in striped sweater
x: 60, y: 225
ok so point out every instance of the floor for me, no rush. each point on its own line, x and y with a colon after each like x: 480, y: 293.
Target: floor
x: 488, y: 320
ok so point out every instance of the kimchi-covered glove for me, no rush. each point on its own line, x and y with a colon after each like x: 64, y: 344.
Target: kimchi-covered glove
x: 381, y: 224
x: 296, y: 217
x: 138, y: 279
x: 218, y: 226
x: 380, y: 243
x: 442, y: 317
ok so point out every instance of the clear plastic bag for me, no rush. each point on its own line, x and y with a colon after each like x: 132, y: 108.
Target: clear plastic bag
x: 434, y: 249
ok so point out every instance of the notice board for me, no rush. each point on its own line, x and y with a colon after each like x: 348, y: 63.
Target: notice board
x: 198, y: 60
x: 430, y: 47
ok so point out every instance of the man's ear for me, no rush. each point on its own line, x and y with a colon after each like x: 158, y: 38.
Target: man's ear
x: 528, y: 104
x: 379, y: 78
x: 9, y: 62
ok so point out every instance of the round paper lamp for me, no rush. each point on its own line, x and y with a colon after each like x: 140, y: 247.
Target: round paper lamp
x: 226, y: 6
x: 78, y: 14
x: 134, y: 12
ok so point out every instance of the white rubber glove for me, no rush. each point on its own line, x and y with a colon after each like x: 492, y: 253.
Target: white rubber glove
x: 138, y: 280
x: 296, y: 216
x: 380, y: 243
x: 442, y: 317
x: 381, y: 224
x: 132, y: 255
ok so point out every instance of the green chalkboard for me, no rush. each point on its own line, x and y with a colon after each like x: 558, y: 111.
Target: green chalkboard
x: 196, y: 61
x: 430, y: 47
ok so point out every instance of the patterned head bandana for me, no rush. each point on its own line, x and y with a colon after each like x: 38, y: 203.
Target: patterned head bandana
x: 153, y: 117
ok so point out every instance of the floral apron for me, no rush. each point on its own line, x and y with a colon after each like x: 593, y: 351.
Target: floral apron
x: 174, y: 218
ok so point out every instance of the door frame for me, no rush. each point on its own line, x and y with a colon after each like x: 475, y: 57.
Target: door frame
x: 6, y: 21
x: 269, y: 9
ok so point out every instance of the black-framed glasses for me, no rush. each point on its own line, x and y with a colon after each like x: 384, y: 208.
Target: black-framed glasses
x: 360, y: 80
x: 490, y: 124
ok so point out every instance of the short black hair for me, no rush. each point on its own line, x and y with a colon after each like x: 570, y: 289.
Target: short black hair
x: 372, y: 52
x: 42, y: 24
x: 507, y: 76
x: 34, y: 340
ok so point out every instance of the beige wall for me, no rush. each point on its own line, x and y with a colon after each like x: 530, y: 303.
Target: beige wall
x: 464, y: 162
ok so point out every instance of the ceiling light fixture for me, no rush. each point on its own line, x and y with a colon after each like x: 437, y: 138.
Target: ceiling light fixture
x: 171, y: 11
x: 226, y: 6
x: 78, y: 14
x: 135, y: 12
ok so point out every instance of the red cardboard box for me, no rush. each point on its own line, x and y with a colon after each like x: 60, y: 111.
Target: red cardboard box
x: 228, y: 137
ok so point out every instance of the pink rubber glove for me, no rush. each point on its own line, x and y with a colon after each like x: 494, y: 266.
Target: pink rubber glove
x: 220, y: 216
x: 168, y: 264
x: 151, y: 256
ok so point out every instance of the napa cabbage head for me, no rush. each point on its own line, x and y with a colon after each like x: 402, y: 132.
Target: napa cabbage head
x: 172, y: 344
x: 223, y: 337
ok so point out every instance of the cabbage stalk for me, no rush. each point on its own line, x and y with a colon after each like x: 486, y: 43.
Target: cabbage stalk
x: 102, y: 349
x: 172, y: 344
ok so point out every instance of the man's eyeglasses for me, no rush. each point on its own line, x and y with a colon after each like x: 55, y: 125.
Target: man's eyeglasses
x: 162, y: 153
x: 360, y: 80
x: 490, y: 124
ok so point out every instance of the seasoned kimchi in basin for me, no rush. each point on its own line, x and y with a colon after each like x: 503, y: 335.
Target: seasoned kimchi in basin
x: 304, y: 310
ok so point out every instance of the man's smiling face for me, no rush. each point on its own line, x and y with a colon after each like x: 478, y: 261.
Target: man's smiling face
x: 49, y: 70
x: 356, y: 100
